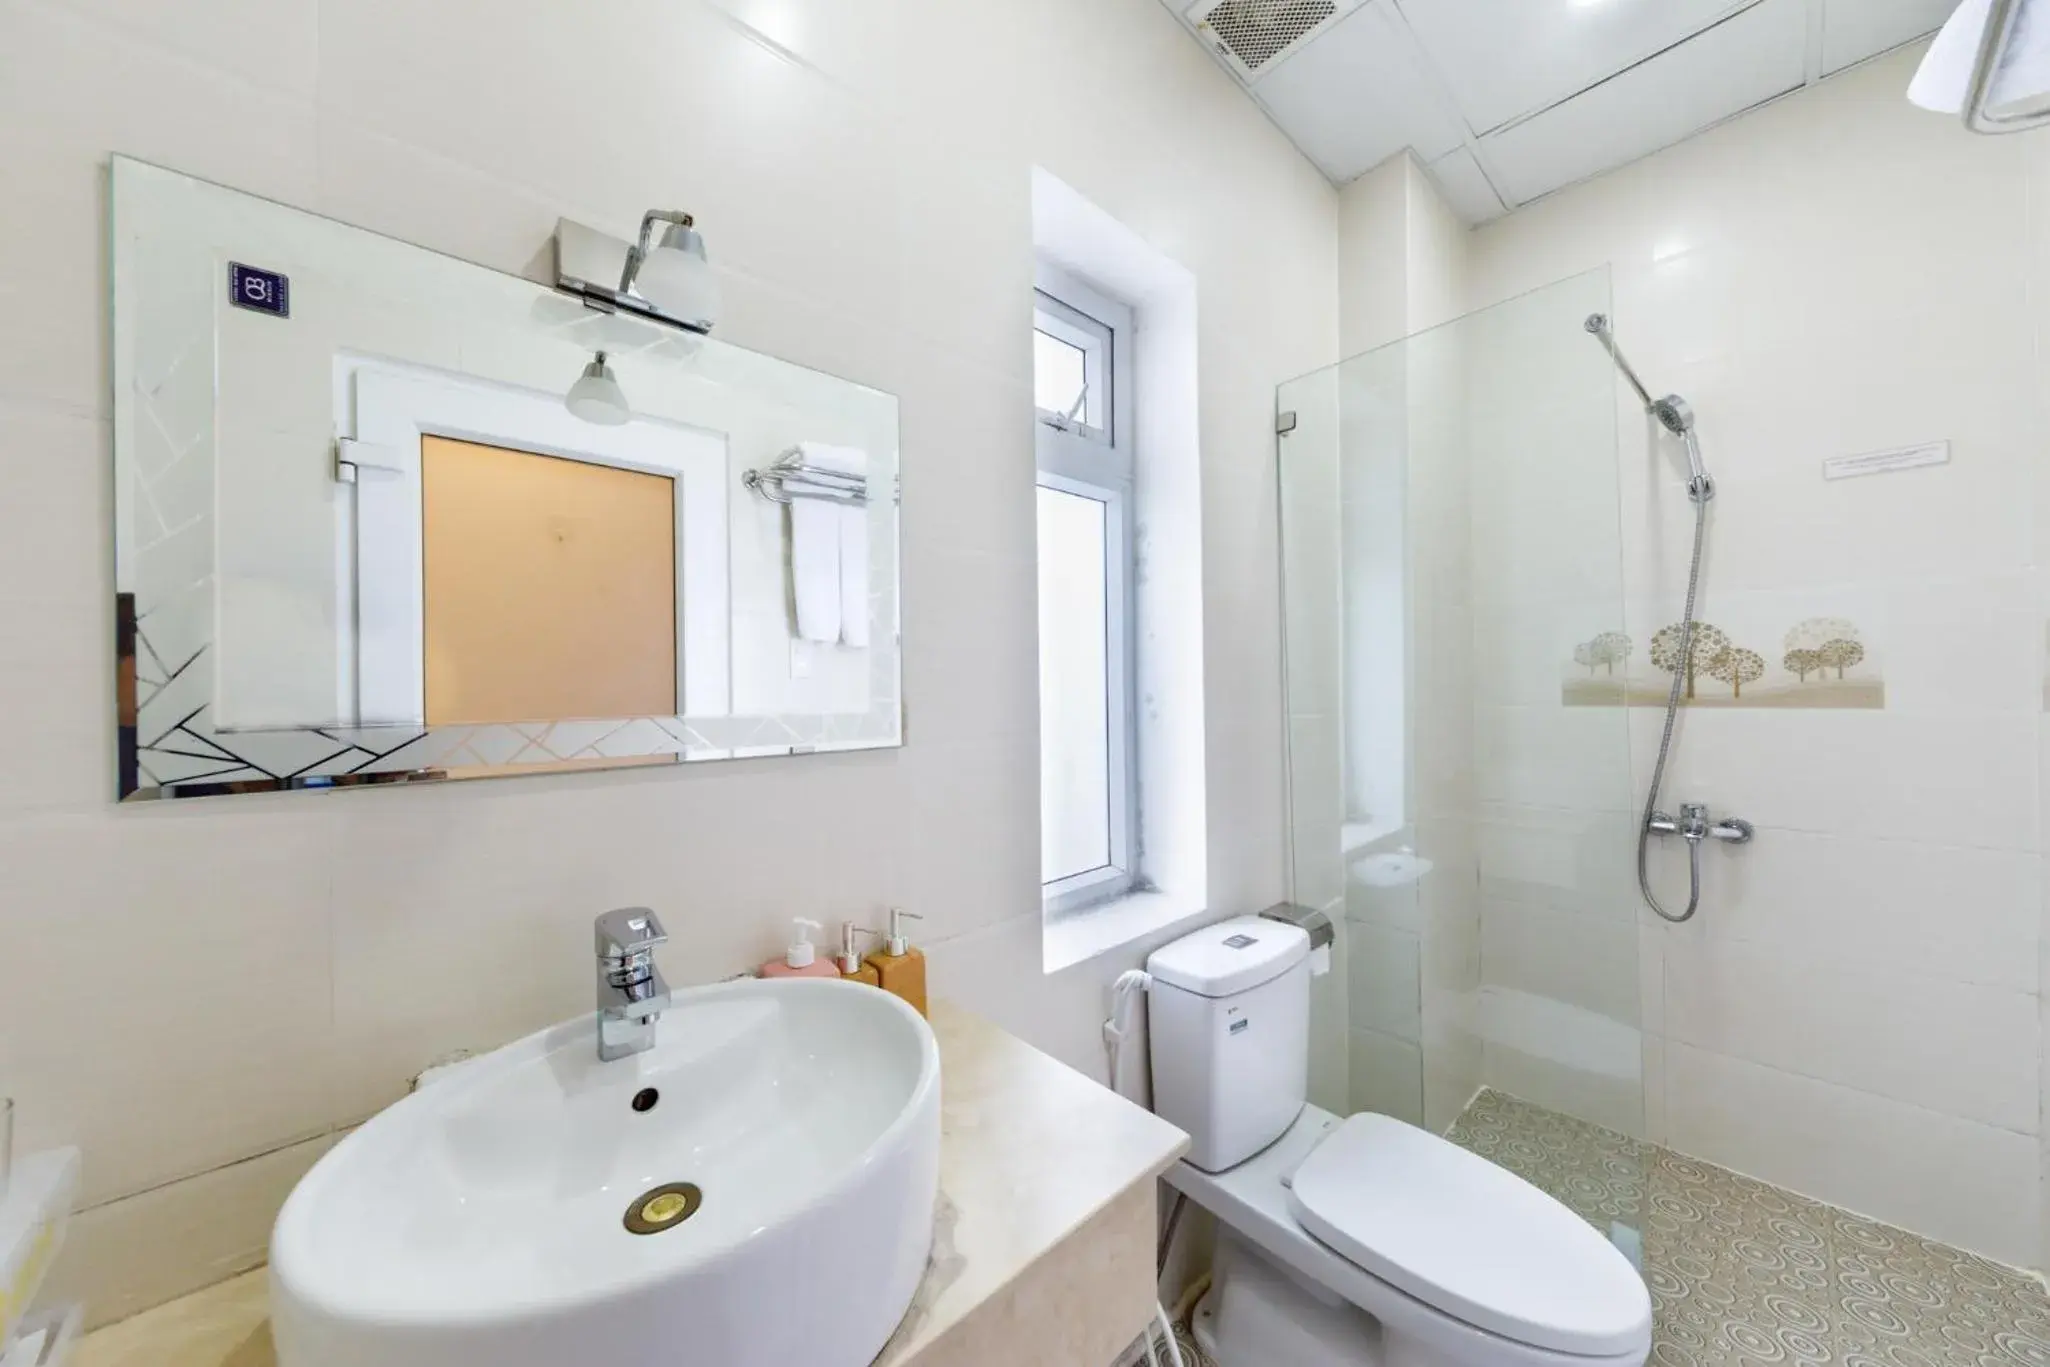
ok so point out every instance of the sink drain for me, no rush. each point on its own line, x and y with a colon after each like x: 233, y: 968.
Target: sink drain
x: 663, y: 1208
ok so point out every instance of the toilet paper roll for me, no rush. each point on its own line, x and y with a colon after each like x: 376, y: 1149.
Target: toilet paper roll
x: 1320, y: 961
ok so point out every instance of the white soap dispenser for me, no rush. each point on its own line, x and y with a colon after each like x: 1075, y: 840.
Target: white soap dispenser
x: 801, y: 959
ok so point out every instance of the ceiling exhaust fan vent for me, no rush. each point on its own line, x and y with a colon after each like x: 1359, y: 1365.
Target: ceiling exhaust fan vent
x: 1251, y: 35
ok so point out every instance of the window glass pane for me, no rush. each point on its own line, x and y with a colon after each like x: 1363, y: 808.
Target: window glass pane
x: 1059, y: 370
x: 1074, y: 701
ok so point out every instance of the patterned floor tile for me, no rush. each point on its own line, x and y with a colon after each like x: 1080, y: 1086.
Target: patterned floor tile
x: 1902, y: 1299
x: 1745, y: 1274
x: 1598, y: 1173
x: 1738, y: 1270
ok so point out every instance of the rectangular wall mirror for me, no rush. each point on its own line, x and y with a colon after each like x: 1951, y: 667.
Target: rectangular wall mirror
x: 361, y: 536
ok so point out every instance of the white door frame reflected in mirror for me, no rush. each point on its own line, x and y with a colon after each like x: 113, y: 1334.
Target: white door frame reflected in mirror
x: 394, y: 406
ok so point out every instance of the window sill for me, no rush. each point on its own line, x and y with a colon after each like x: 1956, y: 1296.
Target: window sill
x: 1073, y: 937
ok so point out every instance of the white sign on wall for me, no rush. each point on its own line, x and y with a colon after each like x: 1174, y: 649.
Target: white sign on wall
x: 1885, y: 462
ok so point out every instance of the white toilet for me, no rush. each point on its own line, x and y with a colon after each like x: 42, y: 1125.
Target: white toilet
x: 1362, y: 1242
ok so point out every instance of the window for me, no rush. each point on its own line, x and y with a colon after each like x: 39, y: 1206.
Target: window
x: 1073, y: 370
x: 1089, y: 811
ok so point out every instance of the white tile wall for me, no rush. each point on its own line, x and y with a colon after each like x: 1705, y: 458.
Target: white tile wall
x: 1405, y: 635
x: 1387, y: 1075
x: 862, y: 172
x: 1856, y: 1011
x: 1582, y: 961
x: 1970, y: 1184
x: 1961, y: 1049
x: 1384, y: 973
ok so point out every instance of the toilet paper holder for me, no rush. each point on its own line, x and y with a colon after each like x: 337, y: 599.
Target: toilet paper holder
x: 1315, y: 922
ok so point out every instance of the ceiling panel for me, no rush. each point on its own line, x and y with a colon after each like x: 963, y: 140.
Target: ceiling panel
x: 1359, y: 94
x: 1505, y: 58
x: 1745, y: 61
x: 1466, y: 188
x: 1853, y: 30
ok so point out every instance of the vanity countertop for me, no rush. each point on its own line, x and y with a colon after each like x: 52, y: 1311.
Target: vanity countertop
x: 1030, y: 1151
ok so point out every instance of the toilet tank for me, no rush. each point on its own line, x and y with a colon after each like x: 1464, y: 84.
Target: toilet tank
x: 1229, y: 1020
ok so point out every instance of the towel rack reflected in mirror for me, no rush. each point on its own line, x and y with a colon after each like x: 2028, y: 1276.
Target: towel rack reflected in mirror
x: 790, y: 478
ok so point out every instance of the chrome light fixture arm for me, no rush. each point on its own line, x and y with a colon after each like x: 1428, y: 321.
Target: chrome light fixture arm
x: 637, y: 254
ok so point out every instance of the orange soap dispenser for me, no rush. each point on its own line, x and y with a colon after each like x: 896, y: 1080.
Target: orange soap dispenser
x: 900, y: 967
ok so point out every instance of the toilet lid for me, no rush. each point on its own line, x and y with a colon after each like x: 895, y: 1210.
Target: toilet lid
x: 1469, y: 1239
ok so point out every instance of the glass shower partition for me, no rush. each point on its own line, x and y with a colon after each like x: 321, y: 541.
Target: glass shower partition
x: 1459, y: 752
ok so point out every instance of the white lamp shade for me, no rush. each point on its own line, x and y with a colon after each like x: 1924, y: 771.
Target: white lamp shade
x: 677, y: 278
x: 597, y: 398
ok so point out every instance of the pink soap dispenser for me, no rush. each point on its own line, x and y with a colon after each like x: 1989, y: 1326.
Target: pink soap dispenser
x: 801, y: 960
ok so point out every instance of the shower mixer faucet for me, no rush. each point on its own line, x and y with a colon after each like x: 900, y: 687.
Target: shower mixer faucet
x: 1694, y: 826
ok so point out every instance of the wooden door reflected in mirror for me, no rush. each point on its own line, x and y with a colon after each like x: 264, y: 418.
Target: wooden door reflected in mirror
x: 549, y: 587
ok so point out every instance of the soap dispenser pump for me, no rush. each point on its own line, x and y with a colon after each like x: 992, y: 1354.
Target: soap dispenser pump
x: 901, y: 968
x: 852, y: 967
x: 801, y: 959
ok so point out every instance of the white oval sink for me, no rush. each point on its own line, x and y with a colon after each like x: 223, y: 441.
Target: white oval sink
x: 483, y: 1219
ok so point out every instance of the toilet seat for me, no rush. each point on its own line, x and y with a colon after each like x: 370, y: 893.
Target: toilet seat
x: 1469, y: 1239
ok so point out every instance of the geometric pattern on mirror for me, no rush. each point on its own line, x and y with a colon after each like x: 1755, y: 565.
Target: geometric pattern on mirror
x: 179, y: 753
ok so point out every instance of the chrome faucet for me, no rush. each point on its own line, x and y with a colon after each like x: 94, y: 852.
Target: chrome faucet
x: 1694, y: 826
x: 631, y: 993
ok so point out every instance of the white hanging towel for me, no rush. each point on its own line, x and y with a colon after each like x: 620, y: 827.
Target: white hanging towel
x: 852, y: 520
x: 1945, y: 78
x: 814, y: 564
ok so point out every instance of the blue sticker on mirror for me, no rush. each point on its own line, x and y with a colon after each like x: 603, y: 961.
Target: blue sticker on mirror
x: 263, y: 291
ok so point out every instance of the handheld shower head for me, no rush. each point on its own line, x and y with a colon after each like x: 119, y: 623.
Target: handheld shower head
x: 1672, y: 412
x: 1674, y: 415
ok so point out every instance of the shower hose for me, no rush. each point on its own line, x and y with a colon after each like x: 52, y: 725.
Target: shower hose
x: 1125, y: 995
x: 1682, y: 669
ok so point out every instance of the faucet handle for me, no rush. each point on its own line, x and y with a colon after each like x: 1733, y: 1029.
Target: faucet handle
x: 628, y: 931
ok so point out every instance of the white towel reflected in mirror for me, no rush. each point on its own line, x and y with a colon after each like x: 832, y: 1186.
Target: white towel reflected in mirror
x: 814, y: 562
x: 829, y: 548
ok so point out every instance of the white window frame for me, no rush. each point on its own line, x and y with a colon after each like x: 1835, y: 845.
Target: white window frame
x: 1097, y: 462
x: 1096, y: 340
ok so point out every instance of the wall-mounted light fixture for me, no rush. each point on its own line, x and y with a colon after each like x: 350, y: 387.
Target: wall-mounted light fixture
x: 669, y: 280
x: 596, y: 396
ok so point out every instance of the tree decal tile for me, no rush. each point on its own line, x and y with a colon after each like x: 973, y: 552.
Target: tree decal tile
x: 1817, y: 662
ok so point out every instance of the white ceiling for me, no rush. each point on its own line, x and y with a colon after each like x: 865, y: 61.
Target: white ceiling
x: 1508, y: 100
